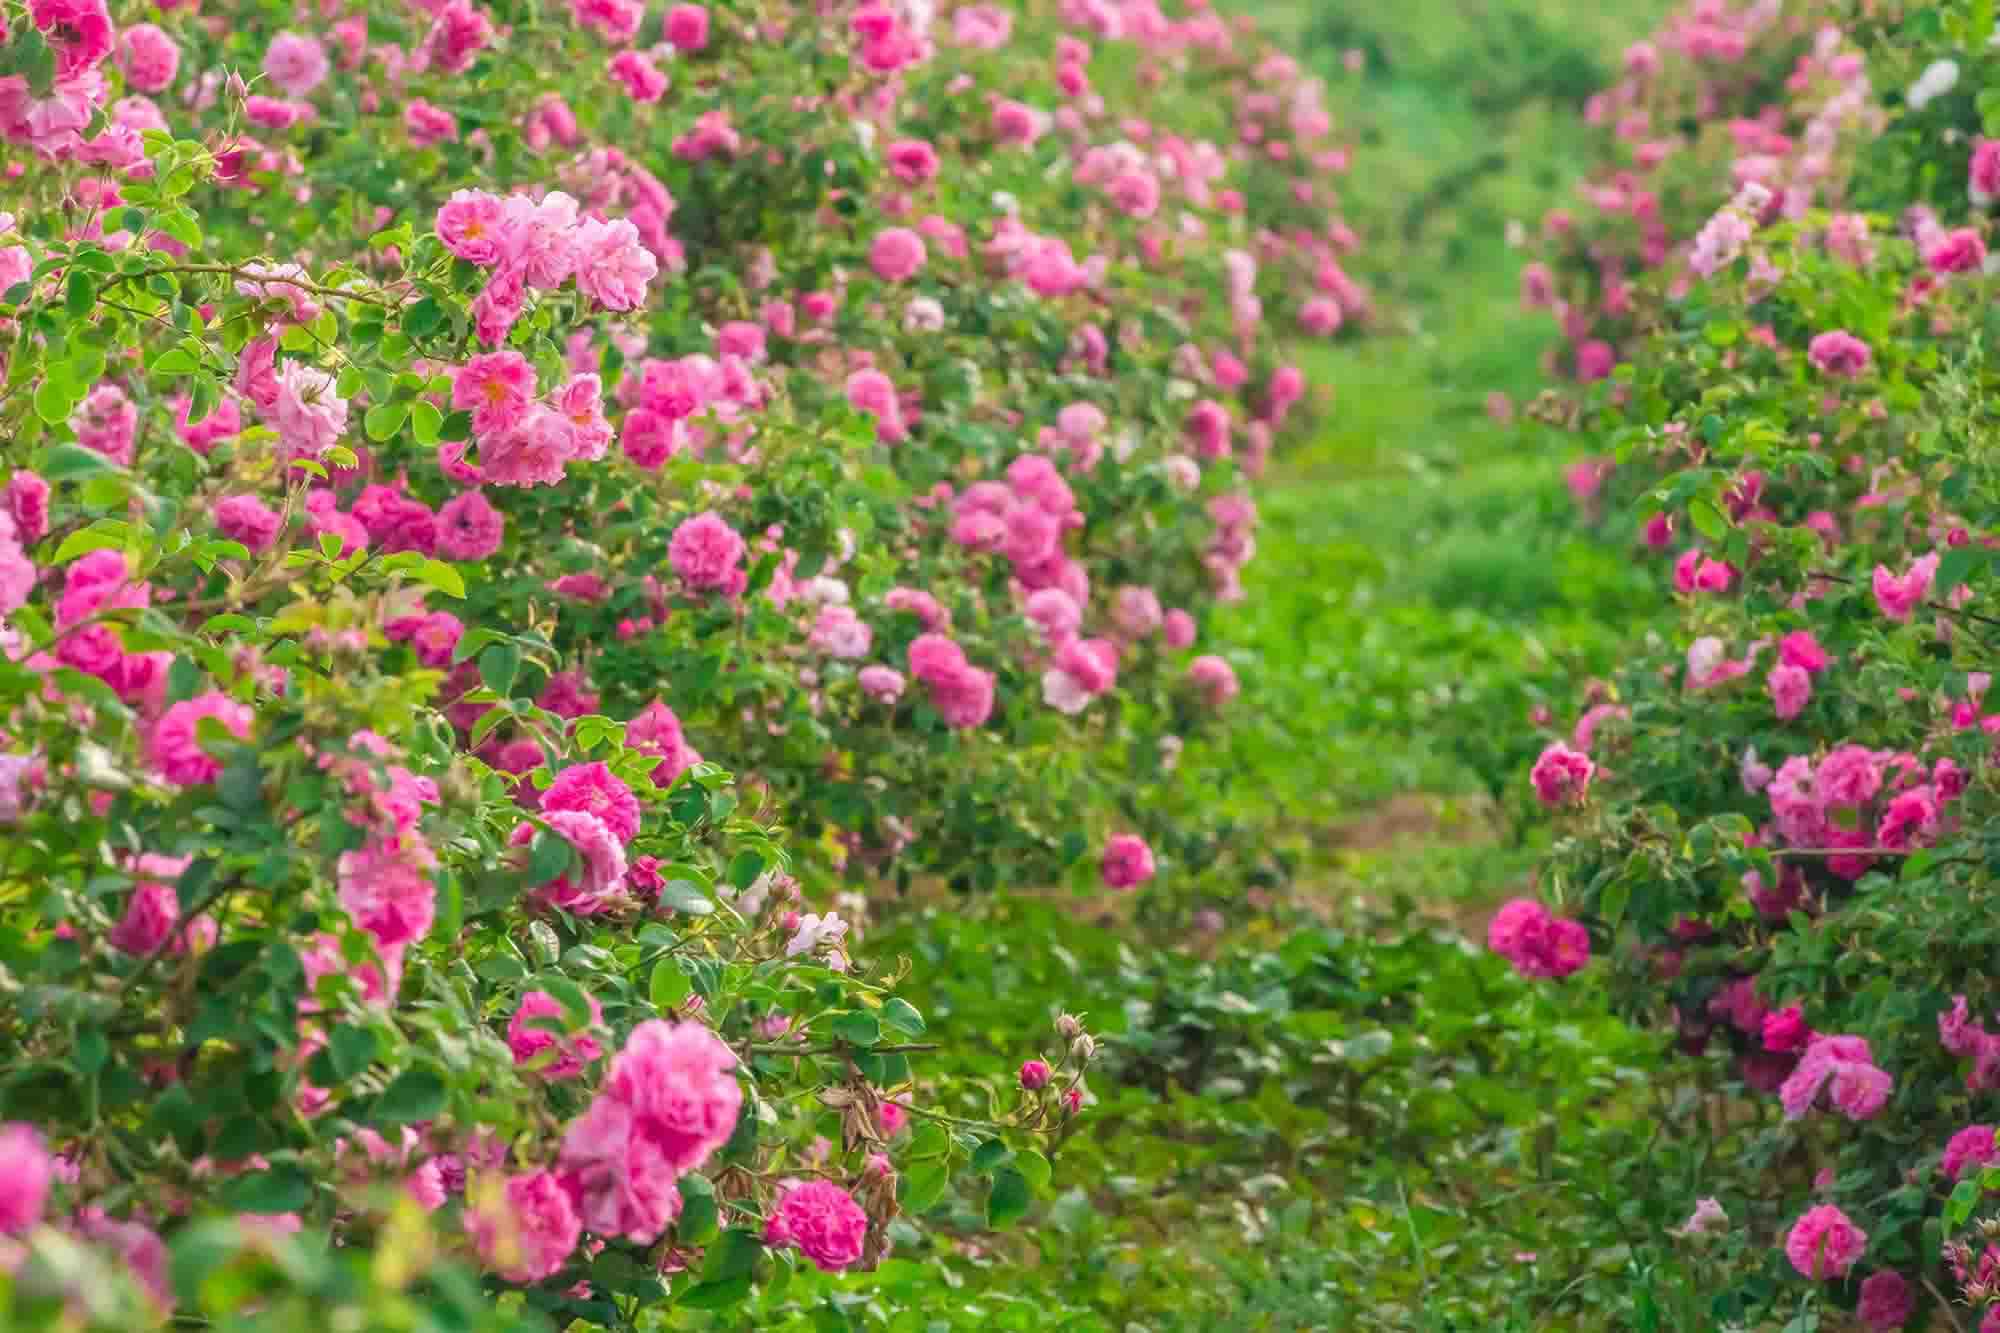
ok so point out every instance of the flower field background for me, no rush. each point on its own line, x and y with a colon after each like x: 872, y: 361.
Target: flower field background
x: 1083, y: 666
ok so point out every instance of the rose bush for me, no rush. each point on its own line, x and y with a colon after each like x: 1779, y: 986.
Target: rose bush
x: 1764, y: 94
x: 428, y: 432
x: 1774, y: 819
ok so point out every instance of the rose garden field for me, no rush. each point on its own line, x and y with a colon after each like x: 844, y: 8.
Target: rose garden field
x: 1105, y: 665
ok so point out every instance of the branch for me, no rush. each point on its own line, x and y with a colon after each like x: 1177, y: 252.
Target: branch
x: 1932, y: 605
x: 263, y: 279
x: 839, y: 1048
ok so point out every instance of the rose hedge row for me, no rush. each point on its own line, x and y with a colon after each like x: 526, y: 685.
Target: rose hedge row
x: 427, y: 434
x: 1775, y: 820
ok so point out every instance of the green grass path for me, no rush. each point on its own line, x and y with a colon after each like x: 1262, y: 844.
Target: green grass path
x: 1421, y: 575
x: 1369, y: 1124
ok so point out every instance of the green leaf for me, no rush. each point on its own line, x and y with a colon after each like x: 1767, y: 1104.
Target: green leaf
x: 202, y: 1249
x: 1611, y: 906
x: 82, y: 294
x: 102, y: 535
x: 1008, y: 1203
x: 498, y: 666
x: 425, y: 422
x: 1034, y: 1168
x: 416, y: 1094
x: 92, y: 1050
x: 281, y: 1189
x: 441, y: 575
x: 698, y: 1216
x: 989, y: 1154
x: 67, y: 462
x: 203, y: 400
x: 922, y: 1186
x: 1959, y: 565
x: 856, y: 1027
x: 732, y: 1255
x: 502, y: 968
x: 424, y: 318
x: 53, y: 403
x: 929, y: 1140
x: 685, y: 897
x: 744, y: 868
x: 351, y: 1049
x: 1709, y: 520
x: 550, y: 855
x: 175, y: 361
x: 544, y: 944
x: 179, y: 223
x: 400, y: 234
x: 716, y: 1295
x: 903, y: 1017
x: 575, y: 1003
x: 669, y: 985
x: 241, y: 785
x: 385, y: 419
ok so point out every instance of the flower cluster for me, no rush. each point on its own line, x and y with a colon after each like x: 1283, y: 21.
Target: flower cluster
x: 867, y: 398
x: 1782, y: 834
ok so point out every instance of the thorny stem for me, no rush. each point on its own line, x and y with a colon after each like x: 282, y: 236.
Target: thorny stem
x: 839, y: 1048
x: 187, y: 917
x: 1944, y: 1306
x: 1829, y: 852
x: 240, y: 271
x: 1933, y: 606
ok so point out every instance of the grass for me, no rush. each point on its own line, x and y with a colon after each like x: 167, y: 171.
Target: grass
x: 1422, y: 579
x: 1337, y: 1112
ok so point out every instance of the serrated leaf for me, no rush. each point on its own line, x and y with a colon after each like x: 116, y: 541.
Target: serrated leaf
x: 425, y: 422
x: 175, y: 361
x: 744, y: 868
x: 903, y: 1017
x: 351, y: 1049
x: 384, y: 420
x: 731, y: 1256
x: 1964, y: 1198
x: 1959, y: 565
x: 101, y: 535
x: 856, y: 1027
x: 66, y: 462
x: 698, y: 1216
x: 81, y: 294
x: 1008, y: 1203
x: 549, y: 856
x: 922, y: 1186
x: 685, y: 897
x: 1708, y: 520
x: 575, y: 1003
x: 1611, y: 906
x: 441, y: 575
x: 669, y: 985
x: 416, y: 1094
x: 53, y: 403
x: 989, y: 1154
x: 281, y: 1189
x: 716, y: 1295
x: 498, y: 666
x: 542, y: 939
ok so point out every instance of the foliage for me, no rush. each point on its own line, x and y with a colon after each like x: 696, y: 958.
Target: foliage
x: 1291, y: 1114
x: 1781, y: 840
x: 376, y: 550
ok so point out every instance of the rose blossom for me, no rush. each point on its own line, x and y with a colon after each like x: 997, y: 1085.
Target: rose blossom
x: 1128, y: 861
x: 1824, y: 1244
